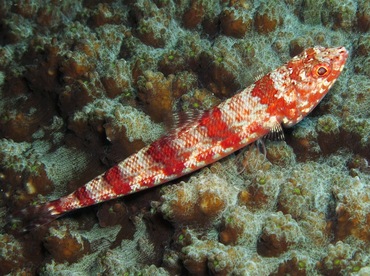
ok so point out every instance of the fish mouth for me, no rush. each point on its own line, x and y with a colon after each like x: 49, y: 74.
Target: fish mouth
x: 343, y: 52
x: 338, y: 57
x: 343, y: 55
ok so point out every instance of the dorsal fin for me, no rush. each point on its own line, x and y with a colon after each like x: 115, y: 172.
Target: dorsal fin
x: 180, y: 119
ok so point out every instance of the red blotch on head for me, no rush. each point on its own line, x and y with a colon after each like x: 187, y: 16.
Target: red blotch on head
x: 114, y: 178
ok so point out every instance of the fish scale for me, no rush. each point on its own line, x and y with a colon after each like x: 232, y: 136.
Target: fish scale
x: 284, y: 96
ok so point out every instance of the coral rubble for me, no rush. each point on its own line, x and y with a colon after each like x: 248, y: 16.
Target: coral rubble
x: 83, y: 84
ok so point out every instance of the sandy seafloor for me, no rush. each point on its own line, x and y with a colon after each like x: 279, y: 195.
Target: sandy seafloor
x: 83, y: 84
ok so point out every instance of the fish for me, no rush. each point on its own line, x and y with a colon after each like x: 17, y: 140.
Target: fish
x: 282, y: 97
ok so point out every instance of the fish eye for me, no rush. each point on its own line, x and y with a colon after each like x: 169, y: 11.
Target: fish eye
x: 321, y: 70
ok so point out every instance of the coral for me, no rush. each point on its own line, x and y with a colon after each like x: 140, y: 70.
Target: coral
x: 234, y: 24
x: 183, y: 82
x: 298, y: 192
x: 83, y: 84
x: 171, y: 262
x: 237, y: 18
x: 357, y: 101
x: 28, y: 178
x: 358, y: 126
x: 363, y: 45
x: 152, y: 29
x: 208, y: 255
x: 44, y: 77
x: 297, y: 45
x: 310, y: 11
x: 199, y: 99
x: 352, y: 210
x: 155, y: 91
x: 280, y: 154
x: 104, y: 14
x: 267, y: 17
x: 11, y: 254
x: 363, y: 15
x: 252, y: 160
x: 74, y: 97
x: 150, y: 35
x: 116, y: 80
x: 358, y: 163
x: 194, y: 15
x: 362, y: 65
x: 342, y: 15
x: 279, y: 234
x: 125, y: 127
x: 32, y: 175
x: 218, y: 71
x: 197, y: 202
x: 328, y: 124
x: 293, y: 266
x: 262, y: 192
x: 304, y: 141
x: 20, y: 119
x: 239, y: 227
x: 131, y: 256
x: 172, y: 62
x: 77, y: 65
x: 341, y: 259
x: 316, y: 228
x: 63, y: 246
x: 111, y: 214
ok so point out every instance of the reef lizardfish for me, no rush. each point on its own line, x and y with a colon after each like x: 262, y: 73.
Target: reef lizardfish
x: 282, y: 97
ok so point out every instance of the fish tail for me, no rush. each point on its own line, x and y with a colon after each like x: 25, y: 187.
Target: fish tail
x: 32, y: 217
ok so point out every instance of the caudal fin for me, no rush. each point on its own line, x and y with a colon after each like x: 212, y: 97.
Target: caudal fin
x: 32, y: 217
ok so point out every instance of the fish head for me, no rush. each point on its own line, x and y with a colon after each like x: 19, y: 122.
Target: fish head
x: 312, y: 73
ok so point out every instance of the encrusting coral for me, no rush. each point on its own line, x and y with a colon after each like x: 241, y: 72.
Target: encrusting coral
x: 84, y: 84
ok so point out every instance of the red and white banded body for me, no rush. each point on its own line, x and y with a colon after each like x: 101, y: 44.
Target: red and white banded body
x: 284, y: 96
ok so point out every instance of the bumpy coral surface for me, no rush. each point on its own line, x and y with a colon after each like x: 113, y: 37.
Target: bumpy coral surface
x: 83, y: 84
